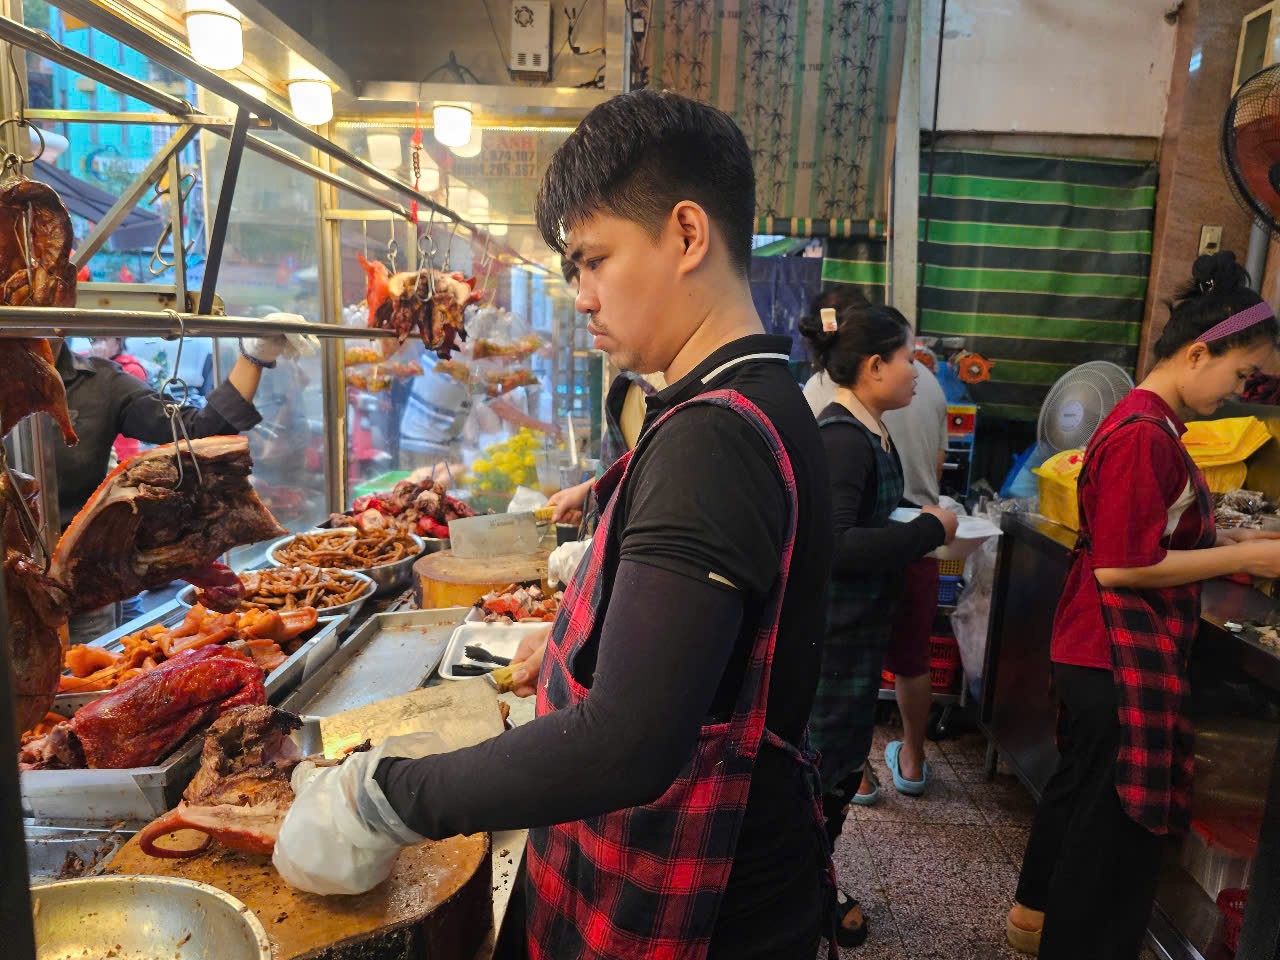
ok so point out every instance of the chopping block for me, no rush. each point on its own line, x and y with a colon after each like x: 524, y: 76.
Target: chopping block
x: 438, y: 901
x: 443, y: 580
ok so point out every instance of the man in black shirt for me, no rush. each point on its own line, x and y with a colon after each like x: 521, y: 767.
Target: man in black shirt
x: 664, y: 639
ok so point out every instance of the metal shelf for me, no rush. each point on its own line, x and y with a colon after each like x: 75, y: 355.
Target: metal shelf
x: 22, y: 322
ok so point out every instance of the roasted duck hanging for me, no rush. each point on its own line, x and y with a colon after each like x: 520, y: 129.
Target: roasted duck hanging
x: 35, y: 270
x: 426, y: 300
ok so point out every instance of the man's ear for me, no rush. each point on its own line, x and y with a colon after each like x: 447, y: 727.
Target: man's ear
x: 693, y: 228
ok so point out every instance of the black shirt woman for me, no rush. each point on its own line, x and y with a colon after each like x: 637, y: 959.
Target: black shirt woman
x: 867, y: 352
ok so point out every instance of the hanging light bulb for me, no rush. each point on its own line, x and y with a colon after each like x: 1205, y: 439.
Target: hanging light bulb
x: 385, y: 150
x: 214, y: 34
x: 452, y: 123
x: 311, y: 101
x: 472, y: 147
x: 497, y: 229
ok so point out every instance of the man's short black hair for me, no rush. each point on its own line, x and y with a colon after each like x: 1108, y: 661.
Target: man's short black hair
x: 639, y: 154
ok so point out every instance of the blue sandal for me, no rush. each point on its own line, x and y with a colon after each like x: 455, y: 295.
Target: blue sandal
x: 867, y: 799
x: 911, y: 788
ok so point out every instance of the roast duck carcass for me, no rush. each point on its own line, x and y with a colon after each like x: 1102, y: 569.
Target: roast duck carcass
x: 241, y: 793
x: 35, y: 270
x: 37, y: 606
x: 143, y: 528
x: 426, y: 300
x: 142, y: 720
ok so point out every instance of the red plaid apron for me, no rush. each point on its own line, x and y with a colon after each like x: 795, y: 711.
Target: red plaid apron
x: 647, y: 882
x: 1151, y: 632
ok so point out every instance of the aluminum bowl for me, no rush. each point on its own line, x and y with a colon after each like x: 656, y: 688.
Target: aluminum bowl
x: 144, y: 918
x: 187, y: 597
x: 388, y: 577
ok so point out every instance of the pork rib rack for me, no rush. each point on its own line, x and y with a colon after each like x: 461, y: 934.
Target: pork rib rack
x: 241, y: 793
x: 35, y: 270
x: 142, y: 528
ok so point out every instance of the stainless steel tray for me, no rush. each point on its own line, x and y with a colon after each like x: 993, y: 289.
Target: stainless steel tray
x: 48, y: 850
x: 138, y: 794
x: 389, y: 655
x: 302, y: 662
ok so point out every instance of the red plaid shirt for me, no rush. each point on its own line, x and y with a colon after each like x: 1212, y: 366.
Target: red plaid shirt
x: 647, y: 882
x: 1151, y: 632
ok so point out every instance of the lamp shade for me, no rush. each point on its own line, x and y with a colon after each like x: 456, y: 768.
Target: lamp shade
x: 214, y: 34
x: 385, y: 150
x: 473, y: 145
x: 311, y: 101
x: 452, y: 124
x: 497, y: 229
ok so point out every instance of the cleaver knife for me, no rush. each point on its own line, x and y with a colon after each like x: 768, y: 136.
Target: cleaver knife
x: 495, y: 535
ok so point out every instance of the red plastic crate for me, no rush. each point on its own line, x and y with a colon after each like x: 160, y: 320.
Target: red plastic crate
x: 1231, y: 902
x: 942, y: 675
x: 943, y: 650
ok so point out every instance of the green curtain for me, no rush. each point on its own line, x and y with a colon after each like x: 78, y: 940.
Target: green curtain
x: 812, y: 83
x: 1039, y: 263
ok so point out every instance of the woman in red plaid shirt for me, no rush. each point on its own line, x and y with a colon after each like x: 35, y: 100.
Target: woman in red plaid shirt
x: 1124, y: 628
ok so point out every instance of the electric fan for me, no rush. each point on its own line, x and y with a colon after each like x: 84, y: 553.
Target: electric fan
x: 1077, y: 403
x: 1250, y: 147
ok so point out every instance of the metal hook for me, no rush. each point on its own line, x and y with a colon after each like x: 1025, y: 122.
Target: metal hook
x: 393, y: 248
x: 448, y: 251
x: 26, y: 520
x: 173, y: 409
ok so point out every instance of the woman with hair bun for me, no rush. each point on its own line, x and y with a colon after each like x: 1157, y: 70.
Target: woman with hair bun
x: 866, y: 351
x: 1124, y: 627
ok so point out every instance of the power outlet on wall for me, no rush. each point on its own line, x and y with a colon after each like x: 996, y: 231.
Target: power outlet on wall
x: 1210, y: 240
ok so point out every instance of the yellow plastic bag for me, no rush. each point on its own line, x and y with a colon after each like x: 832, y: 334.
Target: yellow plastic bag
x: 1218, y: 442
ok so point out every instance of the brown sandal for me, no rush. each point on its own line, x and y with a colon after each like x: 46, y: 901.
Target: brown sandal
x: 1021, y: 938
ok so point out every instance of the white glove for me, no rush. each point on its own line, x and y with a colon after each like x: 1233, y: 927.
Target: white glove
x: 292, y: 346
x: 341, y: 834
x: 565, y: 559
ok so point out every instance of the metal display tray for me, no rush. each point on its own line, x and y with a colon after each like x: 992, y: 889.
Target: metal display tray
x: 49, y: 850
x: 301, y: 663
x: 389, y: 655
x: 139, y: 794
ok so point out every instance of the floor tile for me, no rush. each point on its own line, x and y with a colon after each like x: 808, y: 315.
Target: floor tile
x: 1014, y: 841
x: 955, y: 843
x: 966, y: 889
x: 1002, y: 804
x: 945, y: 802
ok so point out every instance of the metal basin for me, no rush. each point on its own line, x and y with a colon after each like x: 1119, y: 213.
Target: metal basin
x: 144, y: 918
x: 187, y: 597
x: 388, y: 577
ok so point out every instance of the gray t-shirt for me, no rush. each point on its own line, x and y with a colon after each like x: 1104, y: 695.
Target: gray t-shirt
x: 918, y: 430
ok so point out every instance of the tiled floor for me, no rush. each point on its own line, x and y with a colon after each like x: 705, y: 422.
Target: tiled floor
x: 936, y: 875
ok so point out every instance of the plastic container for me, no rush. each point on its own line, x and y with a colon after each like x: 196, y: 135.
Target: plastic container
x: 944, y: 650
x: 942, y: 675
x: 1056, y: 479
x: 951, y: 568
x: 949, y: 590
x: 1218, y: 854
x: 1232, y: 903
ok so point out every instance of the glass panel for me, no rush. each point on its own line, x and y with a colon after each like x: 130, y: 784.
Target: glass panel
x: 269, y: 265
x: 497, y: 412
x: 91, y: 164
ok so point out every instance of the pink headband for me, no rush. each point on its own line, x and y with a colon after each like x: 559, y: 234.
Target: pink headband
x: 1238, y: 321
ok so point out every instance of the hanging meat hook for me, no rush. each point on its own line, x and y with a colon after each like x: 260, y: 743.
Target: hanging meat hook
x: 173, y: 408
x: 26, y: 520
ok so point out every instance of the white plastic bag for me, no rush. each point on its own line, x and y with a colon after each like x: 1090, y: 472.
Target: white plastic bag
x: 526, y: 501
x: 565, y: 559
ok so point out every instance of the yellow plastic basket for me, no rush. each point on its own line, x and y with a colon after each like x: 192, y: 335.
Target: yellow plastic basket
x: 1213, y: 443
x: 1056, y: 478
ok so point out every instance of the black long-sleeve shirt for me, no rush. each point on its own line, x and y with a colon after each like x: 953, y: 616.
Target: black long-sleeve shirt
x: 860, y: 548
x: 702, y: 528
x: 105, y: 402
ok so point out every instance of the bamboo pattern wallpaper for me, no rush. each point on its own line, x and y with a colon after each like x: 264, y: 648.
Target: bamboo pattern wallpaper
x: 812, y: 83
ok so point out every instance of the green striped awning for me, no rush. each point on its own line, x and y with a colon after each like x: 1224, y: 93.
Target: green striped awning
x: 1040, y: 263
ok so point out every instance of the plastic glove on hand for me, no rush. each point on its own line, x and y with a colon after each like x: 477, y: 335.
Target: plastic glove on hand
x: 341, y: 835
x: 292, y: 346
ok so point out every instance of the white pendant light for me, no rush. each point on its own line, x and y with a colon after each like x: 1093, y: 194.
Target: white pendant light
x: 472, y: 147
x: 311, y: 101
x: 497, y: 229
x: 452, y: 123
x: 385, y: 150
x: 214, y: 34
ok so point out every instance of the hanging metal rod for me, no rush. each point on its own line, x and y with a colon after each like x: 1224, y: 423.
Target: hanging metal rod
x: 141, y: 119
x: 23, y: 322
x: 152, y: 47
x: 37, y: 41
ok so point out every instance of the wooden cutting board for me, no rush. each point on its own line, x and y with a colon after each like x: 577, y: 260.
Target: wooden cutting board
x: 443, y: 580
x: 438, y: 900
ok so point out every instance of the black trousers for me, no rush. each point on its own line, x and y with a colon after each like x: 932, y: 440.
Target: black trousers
x: 1088, y: 866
